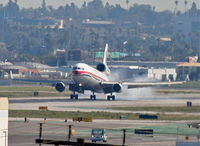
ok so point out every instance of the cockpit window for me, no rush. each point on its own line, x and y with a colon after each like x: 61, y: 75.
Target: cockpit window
x: 74, y: 68
x: 77, y: 68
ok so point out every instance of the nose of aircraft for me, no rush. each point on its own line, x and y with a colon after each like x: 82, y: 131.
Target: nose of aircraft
x: 76, y: 72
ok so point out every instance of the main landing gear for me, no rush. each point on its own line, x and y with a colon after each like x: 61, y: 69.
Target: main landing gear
x: 74, y: 96
x: 111, y: 97
x: 93, y: 96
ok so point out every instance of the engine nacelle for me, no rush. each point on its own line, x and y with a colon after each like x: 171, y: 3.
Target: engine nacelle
x: 103, y: 68
x: 60, y: 87
x: 117, y: 87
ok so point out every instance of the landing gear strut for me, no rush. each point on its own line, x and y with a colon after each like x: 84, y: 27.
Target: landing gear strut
x: 93, y: 97
x: 74, y: 96
x: 111, y: 97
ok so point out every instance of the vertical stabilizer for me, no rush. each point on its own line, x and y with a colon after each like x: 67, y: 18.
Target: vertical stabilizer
x: 105, y: 55
x: 102, y: 67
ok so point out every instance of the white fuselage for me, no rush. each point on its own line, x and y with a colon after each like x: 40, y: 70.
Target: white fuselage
x: 88, y: 77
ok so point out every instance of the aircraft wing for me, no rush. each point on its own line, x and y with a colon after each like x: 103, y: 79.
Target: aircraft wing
x: 108, y: 86
x: 149, y: 84
x: 52, y: 82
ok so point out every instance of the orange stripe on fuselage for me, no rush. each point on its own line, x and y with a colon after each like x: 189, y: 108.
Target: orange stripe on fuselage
x: 78, y: 72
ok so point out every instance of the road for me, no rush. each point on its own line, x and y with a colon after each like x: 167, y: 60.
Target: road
x: 25, y: 133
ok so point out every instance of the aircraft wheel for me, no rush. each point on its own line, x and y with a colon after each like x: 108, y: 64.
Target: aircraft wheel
x: 113, y: 97
x: 92, y: 97
x: 71, y: 96
x: 76, y: 96
x: 108, y: 97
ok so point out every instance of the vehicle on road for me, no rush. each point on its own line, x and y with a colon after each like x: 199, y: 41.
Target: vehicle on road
x: 98, y: 135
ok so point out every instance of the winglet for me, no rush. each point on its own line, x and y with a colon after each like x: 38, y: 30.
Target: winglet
x: 105, y: 55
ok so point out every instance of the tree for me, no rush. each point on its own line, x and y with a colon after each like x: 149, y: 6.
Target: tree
x: 96, y: 9
x: 12, y: 9
x: 117, y: 13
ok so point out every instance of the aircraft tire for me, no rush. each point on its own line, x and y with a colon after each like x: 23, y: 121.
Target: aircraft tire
x: 113, y: 97
x: 76, y: 96
x: 92, y: 97
x: 108, y: 97
x: 71, y: 96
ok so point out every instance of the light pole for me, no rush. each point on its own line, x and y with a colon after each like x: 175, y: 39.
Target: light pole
x: 185, y: 2
x: 127, y: 3
x: 176, y: 8
x: 5, y: 132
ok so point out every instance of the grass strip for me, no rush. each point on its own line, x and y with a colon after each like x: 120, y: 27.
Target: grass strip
x: 31, y: 94
x: 189, y: 84
x: 186, y: 109
x: 28, y: 91
x: 94, y: 115
x: 27, y: 88
x: 176, y: 91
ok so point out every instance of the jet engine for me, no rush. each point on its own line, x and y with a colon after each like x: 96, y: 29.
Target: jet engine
x: 117, y: 87
x: 60, y: 87
x: 103, y: 68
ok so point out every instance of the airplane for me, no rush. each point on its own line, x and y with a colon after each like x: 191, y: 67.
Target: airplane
x: 85, y: 77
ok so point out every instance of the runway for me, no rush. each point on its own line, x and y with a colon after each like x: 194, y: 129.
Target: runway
x: 134, y: 98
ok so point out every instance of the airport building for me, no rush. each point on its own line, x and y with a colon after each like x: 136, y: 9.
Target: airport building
x: 164, y: 74
x: 144, y: 73
x: 189, y: 71
x: 3, y: 121
x: 28, y: 70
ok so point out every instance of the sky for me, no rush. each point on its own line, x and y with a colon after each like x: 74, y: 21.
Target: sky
x: 159, y: 4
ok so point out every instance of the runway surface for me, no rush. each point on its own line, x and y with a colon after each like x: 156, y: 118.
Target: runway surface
x: 142, y: 97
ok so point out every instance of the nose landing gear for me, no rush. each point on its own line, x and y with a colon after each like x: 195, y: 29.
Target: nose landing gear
x: 93, y: 96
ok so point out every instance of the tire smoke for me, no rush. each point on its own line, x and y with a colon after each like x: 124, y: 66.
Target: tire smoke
x: 135, y: 93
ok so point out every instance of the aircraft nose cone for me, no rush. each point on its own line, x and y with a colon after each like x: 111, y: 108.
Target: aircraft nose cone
x: 76, y: 72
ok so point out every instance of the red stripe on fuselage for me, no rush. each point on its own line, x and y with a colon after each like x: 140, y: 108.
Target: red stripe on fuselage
x: 78, y: 72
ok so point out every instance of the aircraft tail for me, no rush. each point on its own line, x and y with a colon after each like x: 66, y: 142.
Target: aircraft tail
x: 102, y: 67
x: 105, y: 55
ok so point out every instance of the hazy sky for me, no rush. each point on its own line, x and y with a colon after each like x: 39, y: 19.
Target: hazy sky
x: 160, y: 4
